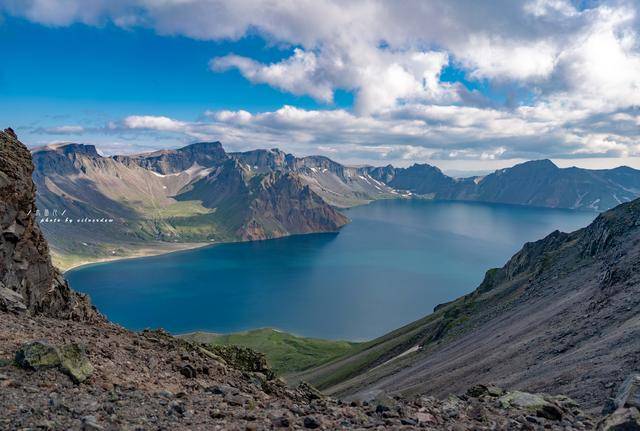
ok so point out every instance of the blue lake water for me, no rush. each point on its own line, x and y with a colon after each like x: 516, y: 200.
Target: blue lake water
x: 391, y: 265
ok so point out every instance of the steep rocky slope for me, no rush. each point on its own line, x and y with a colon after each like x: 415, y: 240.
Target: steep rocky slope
x: 561, y: 317
x: 28, y: 280
x: 339, y: 185
x: 62, y: 366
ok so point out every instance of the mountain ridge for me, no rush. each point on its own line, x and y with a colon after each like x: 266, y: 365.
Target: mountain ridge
x: 536, y: 183
x: 195, y: 194
x: 199, y: 194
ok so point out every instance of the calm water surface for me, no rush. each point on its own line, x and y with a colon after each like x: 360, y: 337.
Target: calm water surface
x: 391, y: 265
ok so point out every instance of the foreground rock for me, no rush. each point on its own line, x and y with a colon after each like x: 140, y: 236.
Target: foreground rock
x: 71, y: 359
x: 138, y: 383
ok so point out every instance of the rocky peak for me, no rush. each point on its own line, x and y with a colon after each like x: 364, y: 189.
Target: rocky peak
x: 544, y: 164
x: 385, y: 174
x: 610, y: 227
x: 206, y: 149
x: 262, y: 160
x: 205, y: 154
x: 86, y: 150
x: 28, y: 280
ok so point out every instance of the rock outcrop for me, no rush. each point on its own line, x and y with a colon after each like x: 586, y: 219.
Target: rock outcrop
x: 28, y: 280
x: 282, y: 204
x: 150, y: 381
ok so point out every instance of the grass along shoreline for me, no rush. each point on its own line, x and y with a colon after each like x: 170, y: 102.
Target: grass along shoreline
x: 286, y: 353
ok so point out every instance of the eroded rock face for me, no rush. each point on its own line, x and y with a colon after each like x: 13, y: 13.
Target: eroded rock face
x: 25, y: 264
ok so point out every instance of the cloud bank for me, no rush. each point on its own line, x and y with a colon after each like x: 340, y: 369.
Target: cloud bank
x: 573, y: 69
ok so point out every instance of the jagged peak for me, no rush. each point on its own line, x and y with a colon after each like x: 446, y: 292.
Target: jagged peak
x: 425, y: 166
x: 9, y: 131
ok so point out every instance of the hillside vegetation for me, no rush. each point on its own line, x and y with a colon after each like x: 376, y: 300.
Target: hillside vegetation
x: 286, y: 353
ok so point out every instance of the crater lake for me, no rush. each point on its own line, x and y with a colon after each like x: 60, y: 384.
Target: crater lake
x: 391, y: 265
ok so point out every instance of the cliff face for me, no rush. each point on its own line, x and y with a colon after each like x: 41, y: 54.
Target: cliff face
x: 283, y: 204
x: 28, y: 280
x: 205, y: 154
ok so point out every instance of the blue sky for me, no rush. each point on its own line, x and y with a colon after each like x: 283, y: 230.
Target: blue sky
x: 83, y: 70
x: 362, y: 82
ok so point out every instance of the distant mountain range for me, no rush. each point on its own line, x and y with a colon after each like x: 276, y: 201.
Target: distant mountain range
x: 198, y: 194
x: 537, y: 183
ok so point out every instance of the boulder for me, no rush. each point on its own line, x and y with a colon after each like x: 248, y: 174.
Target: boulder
x: 480, y: 390
x: 11, y: 301
x: 243, y: 359
x: 74, y: 362
x: 311, y: 422
x: 38, y: 355
x: 534, y: 403
x: 622, y: 411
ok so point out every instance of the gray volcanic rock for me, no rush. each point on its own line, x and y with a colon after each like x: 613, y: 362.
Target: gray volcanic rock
x: 150, y: 380
x: 337, y: 184
x: 283, y: 204
x: 25, y: 264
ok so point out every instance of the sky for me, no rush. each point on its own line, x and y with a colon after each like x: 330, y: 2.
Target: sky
x: 461, y: 84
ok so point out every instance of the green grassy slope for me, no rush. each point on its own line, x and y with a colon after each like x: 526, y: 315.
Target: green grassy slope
x: 286, y: 353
